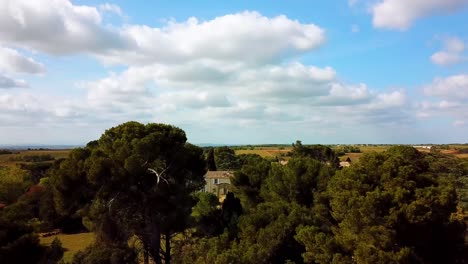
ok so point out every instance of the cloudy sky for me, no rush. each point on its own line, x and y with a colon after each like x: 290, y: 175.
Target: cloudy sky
x: 236, y: 72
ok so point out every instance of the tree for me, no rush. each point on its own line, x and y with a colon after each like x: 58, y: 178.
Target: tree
x: 210, y: 160
x: 318, y: 152
x: 103, y: 253
x: 137, y: 180
x: 207, y: 215
x: 13, y: 183
x: 266, y: 232
x: 226, y: 159
x: 390, y: 207
x: 72, y: 189
x: 249, y: 179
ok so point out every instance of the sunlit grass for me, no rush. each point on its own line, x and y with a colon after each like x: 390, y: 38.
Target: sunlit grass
x: 71, y: 243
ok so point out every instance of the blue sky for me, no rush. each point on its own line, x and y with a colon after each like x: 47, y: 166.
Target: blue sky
x: 236, y: 72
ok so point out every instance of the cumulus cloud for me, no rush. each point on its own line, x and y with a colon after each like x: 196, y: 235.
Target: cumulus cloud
x: 7, y: 82
x: 30, y: 109
x: 56, y: 27
x: 223, y: 38
x: 287, y: 92
x: 452, y: 52
x: 60, y: 28
x: 12, y: 61
x: 400, y: 14
x: 450, y: 99
x: 452, y: 87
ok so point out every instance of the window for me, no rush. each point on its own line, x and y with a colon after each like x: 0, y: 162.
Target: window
x: 215, y: 181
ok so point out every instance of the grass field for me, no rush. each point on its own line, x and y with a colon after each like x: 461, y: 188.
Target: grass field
x: 71, y: 243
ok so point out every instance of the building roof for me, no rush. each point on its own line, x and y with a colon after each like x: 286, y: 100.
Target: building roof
x: 218, y: 174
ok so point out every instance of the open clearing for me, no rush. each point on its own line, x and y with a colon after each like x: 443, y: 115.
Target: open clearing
x: 71, y: 243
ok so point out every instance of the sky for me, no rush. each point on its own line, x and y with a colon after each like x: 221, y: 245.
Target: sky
x: 236, y: 72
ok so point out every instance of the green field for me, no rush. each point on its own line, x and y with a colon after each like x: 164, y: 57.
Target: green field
x: 71, y: 243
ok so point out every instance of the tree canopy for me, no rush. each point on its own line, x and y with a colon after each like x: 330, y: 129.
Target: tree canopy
x: 135, y: 180
x: 391, y: 207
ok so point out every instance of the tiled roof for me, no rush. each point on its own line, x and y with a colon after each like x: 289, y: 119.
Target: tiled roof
x: 218, y: 174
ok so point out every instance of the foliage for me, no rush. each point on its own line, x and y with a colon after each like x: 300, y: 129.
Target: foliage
x: 390, y: 207
x: 210, y: 160
x: 318, y: 152
x: 5, y: 152
x: 19, y: 243
x: 342, y: 150
x: 99, y: 253
x: 13, y: 183
x: 225, y: 159
x: 54, y: 253
x: 248, y: 180
x: 33, y: 158
x: 37, y: 170
x: 110, y: 182
x: 16, y: 238
x: 265, y: 233
x: 206, y: 215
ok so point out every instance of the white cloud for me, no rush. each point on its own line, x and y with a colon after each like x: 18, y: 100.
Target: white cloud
x: 223, y: 38
x: 453, y: 87
x: 244, y: 95
x: 111, y: 8
x: 56, y: 27
x: 450, y: 99
x: 445, y: 58
x: 60, y: 28
x: 454, y: 44
x: 7, y: 82
x: 12, y: 61
x: 400, y: 14
x: 451, y: 54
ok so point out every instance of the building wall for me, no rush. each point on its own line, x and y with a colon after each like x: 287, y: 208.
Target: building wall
x: 211, y: 187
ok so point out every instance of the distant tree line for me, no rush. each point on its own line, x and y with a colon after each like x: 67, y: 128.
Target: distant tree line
x: 33, y: 158
x: 5, y: 152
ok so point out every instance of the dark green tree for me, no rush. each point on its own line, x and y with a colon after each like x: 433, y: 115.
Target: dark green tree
x: 135, y: 180
x: 390, y: 207
x: 210, y: 160
x: 18, y: 243
x: 13, y: 183
x: 318, y: 152
x: 207, y: 215
x: 105, y: 254
x: 226, y: 159
x: 249, y: 179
